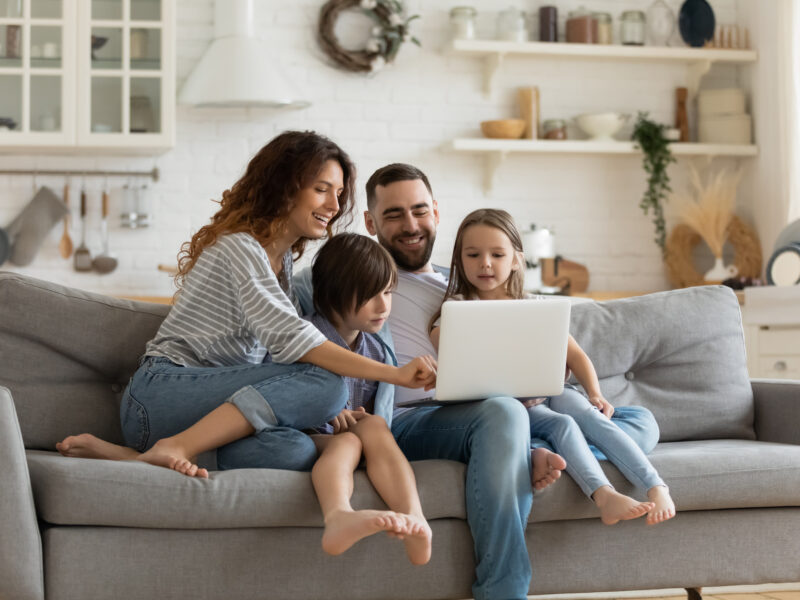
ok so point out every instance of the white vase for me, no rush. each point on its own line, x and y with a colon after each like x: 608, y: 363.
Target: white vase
x: 660, y: 23
x: 719, y: 272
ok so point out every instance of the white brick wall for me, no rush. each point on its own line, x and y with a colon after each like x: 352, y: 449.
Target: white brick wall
x: 406, y: 113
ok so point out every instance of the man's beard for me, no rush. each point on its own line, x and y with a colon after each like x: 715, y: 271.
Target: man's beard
x: 403, y: 261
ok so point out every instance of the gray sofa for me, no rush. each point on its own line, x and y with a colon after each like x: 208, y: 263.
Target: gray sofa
x: 84, y: 529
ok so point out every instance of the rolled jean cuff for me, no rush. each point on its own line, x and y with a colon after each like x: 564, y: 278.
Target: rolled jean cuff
x: 254, y: 407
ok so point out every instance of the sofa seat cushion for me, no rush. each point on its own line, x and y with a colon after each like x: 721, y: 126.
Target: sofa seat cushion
x: 703, y: 475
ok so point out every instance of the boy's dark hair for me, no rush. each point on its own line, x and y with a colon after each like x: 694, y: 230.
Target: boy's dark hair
x: 390, y: 174
x: 349, y: 270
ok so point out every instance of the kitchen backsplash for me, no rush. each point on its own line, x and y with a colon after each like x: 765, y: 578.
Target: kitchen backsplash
x: 408, y: 112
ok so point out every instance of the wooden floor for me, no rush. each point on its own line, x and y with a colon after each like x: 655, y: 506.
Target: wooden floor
x: 760, y: 596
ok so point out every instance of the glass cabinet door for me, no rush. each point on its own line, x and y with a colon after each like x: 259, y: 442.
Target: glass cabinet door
x: 34, y: 84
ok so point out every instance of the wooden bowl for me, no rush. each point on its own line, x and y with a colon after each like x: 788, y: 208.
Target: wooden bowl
x: 507, y: 129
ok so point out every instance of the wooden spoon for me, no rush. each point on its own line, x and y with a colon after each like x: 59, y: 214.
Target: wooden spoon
x: 65, y: 245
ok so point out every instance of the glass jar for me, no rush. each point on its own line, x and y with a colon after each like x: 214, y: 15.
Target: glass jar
x: 554, y: 129
x: 660, y: 23
x: 548, y: 24
x: 581, y: 27
x: 511, y: 25
x: 462, y: 22
x: 605, y: 32
x: 632, y: 28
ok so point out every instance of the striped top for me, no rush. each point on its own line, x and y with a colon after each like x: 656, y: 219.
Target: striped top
x: 233, y: 310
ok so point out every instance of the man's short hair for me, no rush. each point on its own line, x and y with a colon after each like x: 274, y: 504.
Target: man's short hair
x: 391, y: 174
x: 348, y: 271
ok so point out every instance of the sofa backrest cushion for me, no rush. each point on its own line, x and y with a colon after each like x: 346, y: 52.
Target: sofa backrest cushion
x: 679, y: 353
x: 67, y: 355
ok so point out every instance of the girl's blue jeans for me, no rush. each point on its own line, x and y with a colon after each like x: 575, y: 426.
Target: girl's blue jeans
x: 279, y: 401
x: 569, y: 423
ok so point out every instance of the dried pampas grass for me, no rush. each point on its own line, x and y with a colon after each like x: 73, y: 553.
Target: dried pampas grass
x: 708, y: 208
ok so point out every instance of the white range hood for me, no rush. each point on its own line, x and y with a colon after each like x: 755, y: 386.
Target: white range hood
x: 238, y: 69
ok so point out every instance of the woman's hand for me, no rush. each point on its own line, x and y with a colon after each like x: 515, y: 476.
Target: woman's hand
x: 347, y: 418
x: 420, y: 372
x: 602, y: 404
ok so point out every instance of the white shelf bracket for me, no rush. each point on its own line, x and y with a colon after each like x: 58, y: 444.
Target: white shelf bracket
x: 493, y: 162
x: 491, y: 67
x: 694, y: 75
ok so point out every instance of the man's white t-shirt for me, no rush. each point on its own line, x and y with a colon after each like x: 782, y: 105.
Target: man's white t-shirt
x: 415, y: 300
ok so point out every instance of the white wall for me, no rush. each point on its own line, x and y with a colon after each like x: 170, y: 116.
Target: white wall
x: 406, y: 113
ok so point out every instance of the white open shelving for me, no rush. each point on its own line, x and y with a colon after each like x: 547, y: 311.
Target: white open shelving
x: 698, y: 61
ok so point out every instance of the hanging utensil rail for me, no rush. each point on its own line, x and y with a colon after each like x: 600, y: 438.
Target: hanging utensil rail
x: 154, y: 174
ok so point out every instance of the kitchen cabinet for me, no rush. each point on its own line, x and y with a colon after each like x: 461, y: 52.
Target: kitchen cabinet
x: 87, y: 75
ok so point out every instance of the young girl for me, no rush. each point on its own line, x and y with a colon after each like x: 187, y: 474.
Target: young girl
x: 352, y: 278
x: 487, y: 265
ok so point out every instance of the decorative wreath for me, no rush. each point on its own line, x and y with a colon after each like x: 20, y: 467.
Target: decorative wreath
x: 682, y: 239
x: 388, y: 34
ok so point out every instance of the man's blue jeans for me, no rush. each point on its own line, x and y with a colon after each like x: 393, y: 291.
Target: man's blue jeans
x: 163, y: 399
x: 493, y: 438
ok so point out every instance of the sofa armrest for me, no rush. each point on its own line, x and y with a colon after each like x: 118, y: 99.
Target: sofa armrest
x: 21, y: 569
x: 777, y: 410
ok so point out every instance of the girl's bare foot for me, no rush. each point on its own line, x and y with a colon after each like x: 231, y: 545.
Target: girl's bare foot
x: 547, y: 467
x: 166, y: 453
x: 86, y: 445
x: 664, y: 507
x: 418, y: 540
x: 343, y: 528
x: 615, y: 507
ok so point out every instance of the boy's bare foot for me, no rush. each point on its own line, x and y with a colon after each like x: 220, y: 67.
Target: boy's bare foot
x: 547, y: 467
x: 86, y: 445
x: 615, y: 507
x: 344, y: 528
x: 418, y: 540
x: 664, y: 507
x: 165, y: 453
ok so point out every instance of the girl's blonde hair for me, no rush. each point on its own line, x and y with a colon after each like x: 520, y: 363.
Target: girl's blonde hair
x: 459, y: 284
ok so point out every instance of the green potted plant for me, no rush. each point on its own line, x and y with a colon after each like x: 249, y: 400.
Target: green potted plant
x: 649, y: 136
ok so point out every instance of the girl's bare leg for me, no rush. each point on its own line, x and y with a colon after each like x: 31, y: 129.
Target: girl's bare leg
x: 664, y: 507
x: 87, y: 445
x: 393, y: 479
x: 223, y: 425
x: 332, y: 477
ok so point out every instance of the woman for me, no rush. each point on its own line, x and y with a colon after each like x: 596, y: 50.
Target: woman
x: 203, y: 382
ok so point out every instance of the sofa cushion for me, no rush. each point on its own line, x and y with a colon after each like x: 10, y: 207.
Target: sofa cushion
x: 715, y: 474
x: 67, y: 356
x: 680, y: 353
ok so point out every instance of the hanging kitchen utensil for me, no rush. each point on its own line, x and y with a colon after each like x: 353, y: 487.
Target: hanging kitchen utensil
x: 83, y: 258
x: 65, y: 246
x: 104, y: 262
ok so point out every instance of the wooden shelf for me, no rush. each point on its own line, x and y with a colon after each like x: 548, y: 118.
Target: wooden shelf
x: 697, y: 60
x: 496, y: 151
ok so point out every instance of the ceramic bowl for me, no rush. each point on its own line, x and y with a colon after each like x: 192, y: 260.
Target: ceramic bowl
x: 507, y: 129
x: 601, y: 126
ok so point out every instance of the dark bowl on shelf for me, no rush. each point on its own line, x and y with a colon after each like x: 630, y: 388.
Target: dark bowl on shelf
x: 8, y: 122
x: 97, y: 43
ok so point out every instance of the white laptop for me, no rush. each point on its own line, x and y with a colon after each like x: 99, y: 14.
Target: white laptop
x: 491, y: 348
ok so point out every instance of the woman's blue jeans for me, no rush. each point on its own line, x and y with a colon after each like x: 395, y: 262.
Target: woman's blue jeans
x: 570, y: 423
x: 279, y: 401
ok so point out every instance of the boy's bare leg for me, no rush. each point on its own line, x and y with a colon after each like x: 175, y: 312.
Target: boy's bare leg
x: 87, y: 445
x: 223, y: 425
x: 393, y: 479
x: 332, y: 477
x: 546, y: 467
x: 615, y: 507
x: 664, y: 507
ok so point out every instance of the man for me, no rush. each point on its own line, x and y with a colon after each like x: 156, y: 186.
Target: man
x: 492, y: 437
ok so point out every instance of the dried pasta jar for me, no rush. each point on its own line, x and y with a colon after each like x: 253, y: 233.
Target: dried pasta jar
x: 605, y: 32
x: 554, y: 129
x: 462, y: 22
x: 632, y: 28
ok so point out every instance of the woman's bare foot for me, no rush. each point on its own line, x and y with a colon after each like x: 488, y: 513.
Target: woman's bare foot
x: 86, y: 445
x: 664, y: 507
x: 418, y: 540
x: 166, y: 453
x: 615, y: 507
x: 547, y: 467
x: 343, y: 528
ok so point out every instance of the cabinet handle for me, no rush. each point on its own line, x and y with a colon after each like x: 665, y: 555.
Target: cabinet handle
x: 780, y: 365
